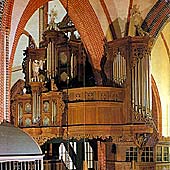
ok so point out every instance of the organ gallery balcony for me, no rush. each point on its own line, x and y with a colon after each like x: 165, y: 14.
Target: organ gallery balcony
x: 65, y: 97
x: 90, y: 112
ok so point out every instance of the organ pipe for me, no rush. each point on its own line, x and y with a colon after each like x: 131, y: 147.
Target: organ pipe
x: 141, y: 85
x: 72, y: 66
x: 36, y: 103
x: 30, y: 69
x: 52, y: 60
x: 36, y: 107
x: 119, y: 69
x: 54, y: 112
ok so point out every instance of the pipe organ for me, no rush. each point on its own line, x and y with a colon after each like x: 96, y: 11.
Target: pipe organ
x: 119, y: 69
x: 128, y: 66
x: 141, y: 82
x: 61, y: 64
x: 36, y: 100
x: 62, y: 103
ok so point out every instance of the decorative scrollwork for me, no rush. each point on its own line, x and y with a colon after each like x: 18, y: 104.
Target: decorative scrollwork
x: 141, y: 139
x: 41, y: 139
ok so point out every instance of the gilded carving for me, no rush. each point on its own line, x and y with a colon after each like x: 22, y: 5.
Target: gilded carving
x: 41, y: 139
x: 103, y: 95
x: 138, y: 52
x: 90, y: 95
x: 96, y: 94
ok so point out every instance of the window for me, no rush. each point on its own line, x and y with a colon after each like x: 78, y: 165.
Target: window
x: 131, y: 154
x: 64, y: 155
x: 147, y: 154
x: 162, y: 153
x: 88, y: 154
x: 166, y: 154
x: 159, y: 153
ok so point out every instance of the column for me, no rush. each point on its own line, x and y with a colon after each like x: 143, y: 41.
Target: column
x: 41, y: 164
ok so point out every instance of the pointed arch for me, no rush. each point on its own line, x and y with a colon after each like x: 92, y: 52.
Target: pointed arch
x: 157, y: 18
x: 156, y: 106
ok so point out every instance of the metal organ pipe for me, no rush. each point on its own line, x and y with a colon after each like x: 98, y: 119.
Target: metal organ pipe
x: 72, y: 66
x: 136, y: 88
x: 119, y: 69
x: 54, y: 112
x: 52, y: 60
x: 30, y: 69
x: 39, y: 104
x: 141, y: 85
x: 49, y: 60
x: 133, y: 87
x: 36, y: 107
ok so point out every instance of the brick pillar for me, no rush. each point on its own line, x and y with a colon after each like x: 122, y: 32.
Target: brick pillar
x: 101, y: 155
x: 7, y: 77
x: 1, y: 75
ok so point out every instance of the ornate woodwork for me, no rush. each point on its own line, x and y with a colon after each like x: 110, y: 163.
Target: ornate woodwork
x: 62, y: 99
x: 53, y: 107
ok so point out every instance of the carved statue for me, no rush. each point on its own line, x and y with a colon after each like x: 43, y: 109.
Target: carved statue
x: 36, y: 66
x: 53, y: 16
x: 136, y: 22
x: 35, y: 69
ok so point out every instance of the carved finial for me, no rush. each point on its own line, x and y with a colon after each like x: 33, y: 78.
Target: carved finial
x: 136, y: 22
x: 53, y: 16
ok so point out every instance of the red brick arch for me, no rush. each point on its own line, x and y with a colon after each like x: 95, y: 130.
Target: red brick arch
x: 5, y: 25
x: 86, y: 22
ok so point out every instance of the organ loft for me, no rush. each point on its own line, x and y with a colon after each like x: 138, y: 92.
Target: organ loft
x: 85, y: 118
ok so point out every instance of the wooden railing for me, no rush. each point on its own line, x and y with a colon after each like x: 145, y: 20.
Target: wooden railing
x: 163, y: 166
x: 59, y: 165
x: 54, y: 165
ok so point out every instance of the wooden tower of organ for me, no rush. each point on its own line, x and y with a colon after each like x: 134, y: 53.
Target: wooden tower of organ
x: 75, y: 120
